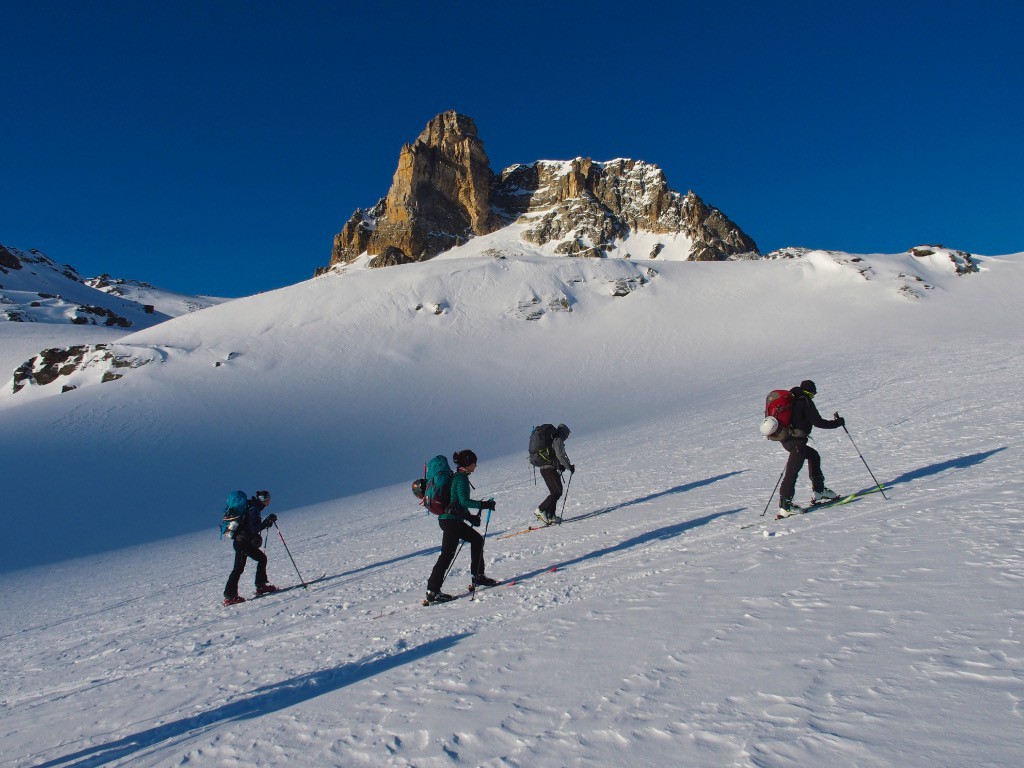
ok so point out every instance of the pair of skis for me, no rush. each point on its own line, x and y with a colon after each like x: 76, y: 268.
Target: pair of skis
x: 471, y: 590
x: 814, y: 507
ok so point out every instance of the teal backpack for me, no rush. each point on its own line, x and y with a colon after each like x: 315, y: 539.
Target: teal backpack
x: 434, y: 488
x: 233, y: 511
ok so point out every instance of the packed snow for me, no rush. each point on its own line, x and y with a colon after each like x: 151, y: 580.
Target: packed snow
x: 649, y: 629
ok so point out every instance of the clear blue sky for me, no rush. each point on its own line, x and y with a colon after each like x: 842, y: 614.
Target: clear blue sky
x: 217, y: 147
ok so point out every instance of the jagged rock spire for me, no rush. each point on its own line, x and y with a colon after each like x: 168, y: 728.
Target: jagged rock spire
x: 439, y: 197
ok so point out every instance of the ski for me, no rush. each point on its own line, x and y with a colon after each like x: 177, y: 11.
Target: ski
x: 814, y: 507
x: 289, y: 588
x: 821, y: 505
x: 528, y: 530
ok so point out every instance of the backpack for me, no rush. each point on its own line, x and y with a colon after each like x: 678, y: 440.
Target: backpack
x: 233, y: 511
x: 778, y: 415
x: 540, y: 444
x: 435, y: 487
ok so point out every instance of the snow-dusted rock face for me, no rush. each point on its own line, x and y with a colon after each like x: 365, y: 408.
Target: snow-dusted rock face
x: 80, y: 364
x: 586, y: 207
x: 34, y: 288
x: 914, y: 273
x: 444, y: 193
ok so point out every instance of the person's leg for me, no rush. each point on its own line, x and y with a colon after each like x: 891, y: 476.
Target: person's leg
x: 476, y: 549
x: 231, y: 588
x: 449, y: 546
x: 260, y: 557
x: 554, y: 483
x: 797, y: 454
x: 814, y: 469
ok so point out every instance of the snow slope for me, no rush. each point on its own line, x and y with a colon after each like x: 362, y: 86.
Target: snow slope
x: 44, y: 304
x: 883, y: 633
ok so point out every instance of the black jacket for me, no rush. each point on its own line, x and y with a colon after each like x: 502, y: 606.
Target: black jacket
x: 805, y: 414
x: 251, y: 521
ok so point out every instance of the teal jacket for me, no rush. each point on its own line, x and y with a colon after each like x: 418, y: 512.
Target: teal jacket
x: 458, y: 509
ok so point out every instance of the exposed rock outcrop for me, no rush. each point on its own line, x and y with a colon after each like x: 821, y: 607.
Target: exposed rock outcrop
x: 444, y: 193
x: 439, y: 198
x: 587, y: 206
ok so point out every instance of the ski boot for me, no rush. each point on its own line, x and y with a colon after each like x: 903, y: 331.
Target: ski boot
x: 484, y: 581
x: 234, y: 600
x: 265, y: 589
x: 824, y: 495
x: 437, y: 597
x: 547, y: 519
x: 788, y: 508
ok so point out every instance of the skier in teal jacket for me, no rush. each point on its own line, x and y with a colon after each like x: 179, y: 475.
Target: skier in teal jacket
x: 454, y: 523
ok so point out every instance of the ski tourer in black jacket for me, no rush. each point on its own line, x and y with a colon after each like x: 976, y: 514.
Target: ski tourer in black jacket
x: 804, y: 418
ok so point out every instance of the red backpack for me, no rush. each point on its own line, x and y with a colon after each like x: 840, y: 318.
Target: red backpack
x: 778, y: 414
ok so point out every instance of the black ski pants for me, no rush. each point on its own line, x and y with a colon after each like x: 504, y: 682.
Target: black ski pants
x: 553, y: 480
x: 455, y: 531
x: 244, y: 549
x: 799, y: 452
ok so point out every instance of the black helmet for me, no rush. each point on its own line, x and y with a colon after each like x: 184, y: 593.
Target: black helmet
x: 808, y: 386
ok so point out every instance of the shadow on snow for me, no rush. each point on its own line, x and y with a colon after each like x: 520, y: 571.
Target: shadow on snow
x: 651, y: 497
x: 963, y: 462
x: 665, y: 532
x: 262, y: 701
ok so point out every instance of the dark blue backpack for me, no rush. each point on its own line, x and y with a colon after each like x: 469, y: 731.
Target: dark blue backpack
x: 233, y: 511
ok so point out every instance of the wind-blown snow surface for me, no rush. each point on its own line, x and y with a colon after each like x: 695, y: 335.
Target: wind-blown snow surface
x: 883, y: 633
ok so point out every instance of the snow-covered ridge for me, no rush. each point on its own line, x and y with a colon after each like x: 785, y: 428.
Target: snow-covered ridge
x: 35, y: 289
x: 523, y: 284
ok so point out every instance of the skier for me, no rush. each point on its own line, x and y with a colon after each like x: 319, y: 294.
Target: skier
x: 247, y: 542
x: 453, y: 524
x: 552, y: 461
x: 805, y: 417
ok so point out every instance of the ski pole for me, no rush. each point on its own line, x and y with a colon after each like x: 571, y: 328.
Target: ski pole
x: 862, y: 459
x: 773, y: 492
x: 566, y: 497
x: 301, y: 580
x: 452, y: 564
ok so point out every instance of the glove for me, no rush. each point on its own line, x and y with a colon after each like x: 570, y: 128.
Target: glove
x: 489, y: 504
x: 474, y: 520
x: 840, y: 419
x: 572, y: 469
x: 271, y: 519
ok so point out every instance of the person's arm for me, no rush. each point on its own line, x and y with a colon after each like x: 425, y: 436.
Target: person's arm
x: 563, y: 458
x: 818, y: 421
x: 460, y: 493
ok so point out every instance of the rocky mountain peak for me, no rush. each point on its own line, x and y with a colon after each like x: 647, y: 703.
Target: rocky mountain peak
x: 444, y: 192
x: 439, y: 198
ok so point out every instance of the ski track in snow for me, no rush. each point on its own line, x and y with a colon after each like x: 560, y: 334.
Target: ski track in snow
x: 882, y: 633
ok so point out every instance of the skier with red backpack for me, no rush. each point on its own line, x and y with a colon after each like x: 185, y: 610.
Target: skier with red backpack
x: 455, y: 521
x: 790, y: 416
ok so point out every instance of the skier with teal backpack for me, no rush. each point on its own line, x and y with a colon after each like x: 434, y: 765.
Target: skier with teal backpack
x: 243, y: 520
x: 455, y: 521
